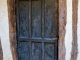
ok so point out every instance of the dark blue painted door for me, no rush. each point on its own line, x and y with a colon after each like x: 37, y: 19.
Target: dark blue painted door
x: 37, y: 29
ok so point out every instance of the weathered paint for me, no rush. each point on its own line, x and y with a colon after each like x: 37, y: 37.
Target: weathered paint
x: 4, y: 30
x: 40, y: 47
x: 78, y: 30
x: 68, y: 36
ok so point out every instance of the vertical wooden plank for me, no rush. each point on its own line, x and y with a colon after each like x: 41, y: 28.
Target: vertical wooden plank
x: 49, y: 51
x: 36, y: 51
x: 62, y: 24
x: 43, y: 51
x: 43, y: 12
x: 23, y: 18
x: 1, y: 52
x: 56, y: 51
x: 30, y: 18
x: 74, y: 27
x: 17, y: 26
x: 30, y: 44
x: 24, y: 51
x: 12, y: 28
x: 43, y: 18
x: 36, y: 18
x: 51, y: 18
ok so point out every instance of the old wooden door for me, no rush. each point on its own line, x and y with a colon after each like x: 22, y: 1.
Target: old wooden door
x: 37, y: 29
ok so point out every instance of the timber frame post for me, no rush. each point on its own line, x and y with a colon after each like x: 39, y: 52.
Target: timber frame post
x: 12, y: 28
x: 74, y: 51
x: 62, y: 30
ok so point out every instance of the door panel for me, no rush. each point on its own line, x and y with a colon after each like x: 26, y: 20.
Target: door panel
x: 23, y: 18
x: 36, y: 51
x: 50, y: 18
x: 49, y: 51
x: 37, y: 29
x: 24, y: 51
x: 36, y: 18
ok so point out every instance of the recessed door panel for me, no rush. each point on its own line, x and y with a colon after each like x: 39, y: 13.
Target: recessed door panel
x: 23, y: 18
x: 36, y: 51
x: 24, y: 51
x: 36, y: 18
x: 50, y: 19
x: 49, y: 51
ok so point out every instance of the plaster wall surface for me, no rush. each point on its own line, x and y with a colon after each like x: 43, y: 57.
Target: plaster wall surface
x: 78, y: 30
x: 68, y: 34
x: 4, y: 30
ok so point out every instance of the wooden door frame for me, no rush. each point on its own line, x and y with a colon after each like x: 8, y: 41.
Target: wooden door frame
x: 12, y: 28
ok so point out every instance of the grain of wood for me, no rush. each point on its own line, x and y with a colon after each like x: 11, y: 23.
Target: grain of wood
x: 74, y: 28
x: 12, y: 27
x: 62, y: 25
